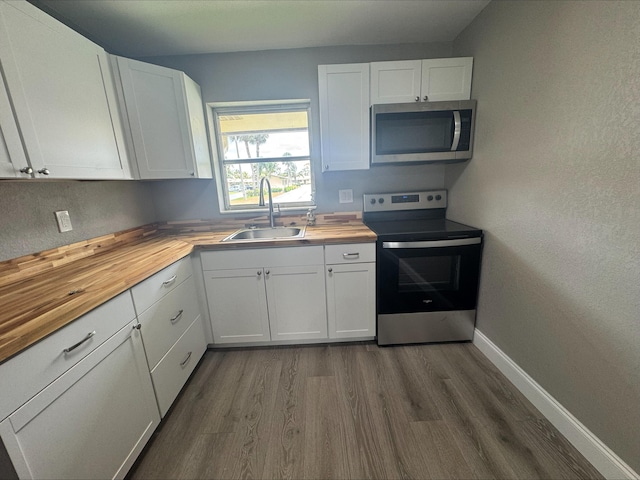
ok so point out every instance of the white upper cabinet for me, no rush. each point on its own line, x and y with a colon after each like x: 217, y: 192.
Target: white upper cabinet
x: 62, y: 96
x: 395, y: 82
x: 164, y: 112
x: 12, y: 157
x: 446, y: 79
x: 344, y: 116
x: 421, y: 80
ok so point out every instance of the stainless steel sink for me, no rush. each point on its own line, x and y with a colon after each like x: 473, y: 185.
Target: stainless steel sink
x: 257, y: 234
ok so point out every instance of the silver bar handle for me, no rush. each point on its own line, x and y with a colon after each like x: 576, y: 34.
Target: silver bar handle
x: 177, y: 317
x: 349, y: 256
x: 433, y: 243
x: 456, y: 130
x: 169, y: 281
x: 76, y: 345
x: 186, y: 360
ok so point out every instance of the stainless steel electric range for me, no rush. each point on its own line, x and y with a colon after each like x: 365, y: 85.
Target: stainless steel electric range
x: 428, y: 268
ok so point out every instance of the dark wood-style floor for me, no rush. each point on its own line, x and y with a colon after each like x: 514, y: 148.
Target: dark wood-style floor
x: 356, y: 412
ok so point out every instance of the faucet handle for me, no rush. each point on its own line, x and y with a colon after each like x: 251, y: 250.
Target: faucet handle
x: 311, y: 218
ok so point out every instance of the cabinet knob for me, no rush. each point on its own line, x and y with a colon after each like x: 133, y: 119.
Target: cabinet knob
x: 417, y: 99
x: 267, y: 272
x: 193, y: 174
x: 326, y: 167
x: 330, y: 269
x: 43, y: 171
x: 259, y: 272
x: 426, y: 98
x: 137, y: 326
x: 27, y: 170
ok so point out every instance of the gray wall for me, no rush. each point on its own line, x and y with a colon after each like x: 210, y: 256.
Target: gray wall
x: 555, y: 181
x: 27, y: 221
x: 283, y: 74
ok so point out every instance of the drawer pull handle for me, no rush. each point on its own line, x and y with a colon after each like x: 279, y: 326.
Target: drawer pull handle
x: 351, y: 255
x: 177, y: 317
x: 73, y: 347
x: 170, y: 281
x: 186, y: 360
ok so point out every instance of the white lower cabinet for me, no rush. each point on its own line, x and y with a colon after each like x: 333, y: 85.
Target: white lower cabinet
x: 275, y: 294
x: 290, y: 294
x: 93, y: 421
x: 351, y: 290
x: 172, y: 329
x: 172, y: 372
x: 351, y: 302
x: 295, y: 297
x: 237, y: 305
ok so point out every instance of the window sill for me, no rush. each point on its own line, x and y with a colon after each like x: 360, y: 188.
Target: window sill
x: 262, y: 211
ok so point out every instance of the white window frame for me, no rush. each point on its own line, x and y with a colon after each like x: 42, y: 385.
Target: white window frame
x: 264, y: 106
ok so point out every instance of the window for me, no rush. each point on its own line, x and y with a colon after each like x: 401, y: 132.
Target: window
x: 265, y: 139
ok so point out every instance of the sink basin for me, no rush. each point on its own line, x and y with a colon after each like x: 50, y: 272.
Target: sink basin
x: 256, y: 234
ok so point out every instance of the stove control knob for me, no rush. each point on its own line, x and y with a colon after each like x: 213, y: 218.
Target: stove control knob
x: 372, y: 201
x: 438, y: 197
x: 430, y: 198
x: 381, y: 200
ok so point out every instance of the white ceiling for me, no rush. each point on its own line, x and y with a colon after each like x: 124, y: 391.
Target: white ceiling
x: 139, y: 28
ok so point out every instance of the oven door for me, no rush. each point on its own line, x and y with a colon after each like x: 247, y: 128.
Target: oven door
x: 428, y: 276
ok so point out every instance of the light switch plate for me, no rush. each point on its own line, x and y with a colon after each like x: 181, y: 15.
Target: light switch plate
x: 64, y: 221
x: 346, y: 196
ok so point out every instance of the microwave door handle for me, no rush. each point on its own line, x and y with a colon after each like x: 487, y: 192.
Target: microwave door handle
x: 456, y: 130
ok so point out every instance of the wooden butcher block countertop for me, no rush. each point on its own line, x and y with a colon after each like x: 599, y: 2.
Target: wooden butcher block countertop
x: 43, y: 292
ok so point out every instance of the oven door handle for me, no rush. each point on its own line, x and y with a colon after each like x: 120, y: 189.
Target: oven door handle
x: 433, y: 243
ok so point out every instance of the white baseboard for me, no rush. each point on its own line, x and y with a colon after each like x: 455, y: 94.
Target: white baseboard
x: 590, y: 446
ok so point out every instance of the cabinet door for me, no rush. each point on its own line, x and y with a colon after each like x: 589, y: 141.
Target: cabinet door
x: 93, y: 421
x: 158, y: 116
x: 197, y: 125
x: 446, y: 79
x: 237, y: 305
x: 396, y: 82
x: 296, y: 299
x: 58, y: 83
x: 344, y: 116
x: 351, y: 300
x: 12, y: 157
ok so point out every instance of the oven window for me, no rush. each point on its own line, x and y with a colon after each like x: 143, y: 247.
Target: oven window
x: 422, y: 274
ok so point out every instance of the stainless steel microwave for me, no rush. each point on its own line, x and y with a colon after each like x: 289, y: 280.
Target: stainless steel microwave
x: 422, y: 132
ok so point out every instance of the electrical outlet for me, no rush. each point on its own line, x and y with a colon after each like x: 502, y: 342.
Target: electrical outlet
x: 64, y: 221
x: 346, y: 196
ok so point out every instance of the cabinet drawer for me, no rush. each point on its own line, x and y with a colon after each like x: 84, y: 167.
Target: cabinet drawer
x: 166, y: 320
x: 350, y: 253
x: 35, y: 368
x: 149, y: 291
x: 262, y: 257
x: 174, y: 369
